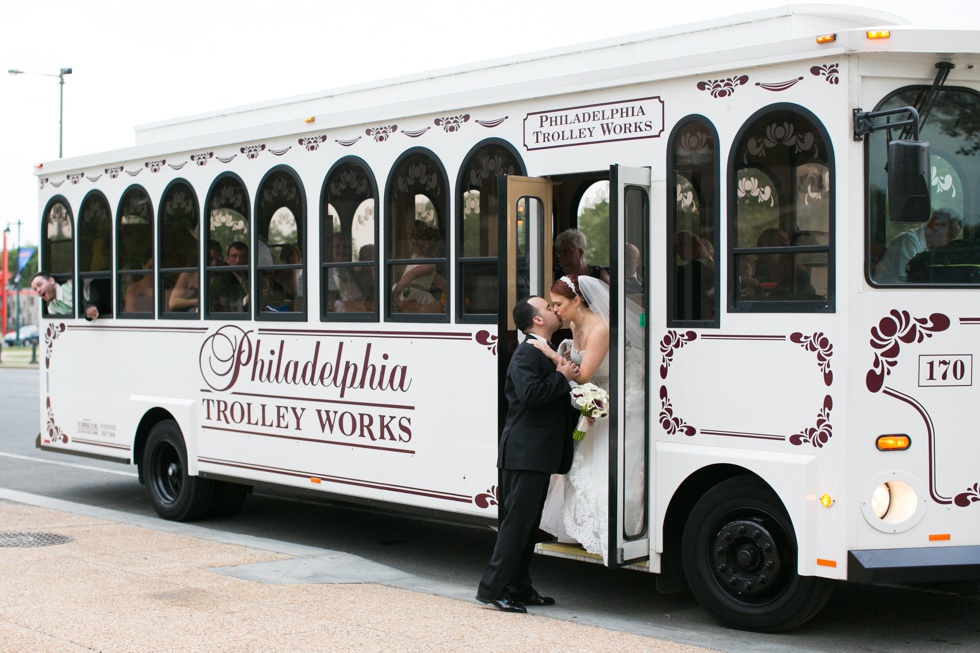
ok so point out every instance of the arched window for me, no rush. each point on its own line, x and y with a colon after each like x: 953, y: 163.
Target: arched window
x: 280, y: 245
x: 58, y: 245
x: 418, y: 209
x: 180, y: 286
x: 476, y: 228
x: 942, y: 250
x: 94, y: 256
x: 781, y: 199
x: 692, y: 224
x: 134, y: 253
x: 348, y: 238
x: 229, y: 281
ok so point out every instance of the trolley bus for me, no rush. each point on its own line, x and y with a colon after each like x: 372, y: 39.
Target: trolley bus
x: 315, y: 294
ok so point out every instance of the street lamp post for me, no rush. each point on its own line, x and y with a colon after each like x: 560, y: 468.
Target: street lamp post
x: 61, y: 99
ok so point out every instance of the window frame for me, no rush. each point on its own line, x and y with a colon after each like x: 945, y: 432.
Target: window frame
x: 443, y: 213
x: 301, y: 232
x: 737, y: 304
x: 326, y: 262
x: 46, y: 256
x: 79, y: 290
x: 672, y: 217
x: 163, y: 310
x: 120, y: 273
x: 461, y: 262
x: 209, y: 270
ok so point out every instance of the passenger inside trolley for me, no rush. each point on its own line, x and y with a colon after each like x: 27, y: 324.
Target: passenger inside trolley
x: 229, y: 289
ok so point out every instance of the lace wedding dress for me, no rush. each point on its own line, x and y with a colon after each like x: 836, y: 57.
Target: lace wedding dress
x: 577, y: 507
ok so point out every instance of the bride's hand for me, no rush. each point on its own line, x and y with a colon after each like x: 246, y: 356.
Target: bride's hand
x: 545, y: 349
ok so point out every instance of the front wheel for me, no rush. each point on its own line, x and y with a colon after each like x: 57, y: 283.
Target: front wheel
x: 740, y: 558
x: 174, y: 493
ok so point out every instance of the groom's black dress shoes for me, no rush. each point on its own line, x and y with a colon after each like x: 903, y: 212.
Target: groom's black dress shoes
x: 532, y: 598
x: 504, y: 605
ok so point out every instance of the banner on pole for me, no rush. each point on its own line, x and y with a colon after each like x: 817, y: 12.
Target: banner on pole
x: 23, y: 256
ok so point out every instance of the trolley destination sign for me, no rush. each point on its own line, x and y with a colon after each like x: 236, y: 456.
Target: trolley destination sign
x: 623, y: 120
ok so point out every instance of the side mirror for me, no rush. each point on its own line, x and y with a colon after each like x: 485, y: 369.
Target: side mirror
x: 908, y: 181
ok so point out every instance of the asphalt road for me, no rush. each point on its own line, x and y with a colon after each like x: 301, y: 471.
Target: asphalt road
x: 858, y: 618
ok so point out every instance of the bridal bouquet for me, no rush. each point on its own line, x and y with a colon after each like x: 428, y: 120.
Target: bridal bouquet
x: 593, y: 401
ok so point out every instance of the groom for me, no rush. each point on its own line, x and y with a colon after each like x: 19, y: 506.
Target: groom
x: 534, y: 444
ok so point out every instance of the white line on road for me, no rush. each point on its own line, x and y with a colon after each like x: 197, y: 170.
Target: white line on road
x: 76, y: 466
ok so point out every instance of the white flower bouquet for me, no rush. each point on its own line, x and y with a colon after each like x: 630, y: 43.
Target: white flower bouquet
x: 593, y: 402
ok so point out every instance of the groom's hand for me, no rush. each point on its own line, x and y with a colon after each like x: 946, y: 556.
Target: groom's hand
x: 567, y: 368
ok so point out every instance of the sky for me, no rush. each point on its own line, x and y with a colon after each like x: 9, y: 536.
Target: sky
x: 137, y: 61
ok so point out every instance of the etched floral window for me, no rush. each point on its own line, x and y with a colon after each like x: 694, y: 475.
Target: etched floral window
x: 57, y: 241
x: 94, y: 256
x: 782, y: 187
x: 229, y: 286
x: 477, y: 228
x: 180, y: 290
x: 134, y: 254
x: 348, y: 238
x: 418, y: 209
x: 280, y: 246
x: 692, y: 225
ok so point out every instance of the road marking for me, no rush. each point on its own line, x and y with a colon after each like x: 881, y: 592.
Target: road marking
x: 76, y: 466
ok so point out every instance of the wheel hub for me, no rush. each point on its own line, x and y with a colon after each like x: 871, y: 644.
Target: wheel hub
x: 745, y: 557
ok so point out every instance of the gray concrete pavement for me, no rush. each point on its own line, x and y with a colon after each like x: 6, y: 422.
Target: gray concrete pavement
x: 125, y: 583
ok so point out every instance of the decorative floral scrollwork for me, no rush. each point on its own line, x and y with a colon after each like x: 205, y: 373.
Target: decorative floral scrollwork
x: 313, y: 143
x: 831, y: 72
x: 452, y: 123
x: 672, y: 341
x: 723, y: 87
x: 817, y: 435
x: 381, y: 134
x: 201, y: 158
x: 486, y: 499
x: 671, y: 423
x: 777, y: 87
x: 154, y: 166
x: 51, y: 334
x: 253, y: 151
x: 488, y: 340
x: 52, y: 432
x: 781, y: 134
x: 896, y: 328
x: 972, y: 495
x: 820, y: 344
x: 75, y: 177
x: 114, y: 171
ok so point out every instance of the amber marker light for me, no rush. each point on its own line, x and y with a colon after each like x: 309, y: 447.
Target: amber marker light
x: 310, y: 119
x: 826, y: 38
x: 893, y: 442
x: 879, y: 34
x: 314, y: 480
x: 826, y: 500
x: 939, y: 537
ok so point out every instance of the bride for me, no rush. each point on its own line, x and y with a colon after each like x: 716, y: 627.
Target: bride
x: 579, y: 512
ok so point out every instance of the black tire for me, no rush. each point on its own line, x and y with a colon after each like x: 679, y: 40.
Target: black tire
x: 175, y: 495
x: 228, y: 498
x: 740, y: 557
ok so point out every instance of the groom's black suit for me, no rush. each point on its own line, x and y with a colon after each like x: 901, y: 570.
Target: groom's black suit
x: 534, y: 444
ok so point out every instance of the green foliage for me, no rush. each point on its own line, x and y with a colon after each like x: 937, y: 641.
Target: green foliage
x: 594, y: 223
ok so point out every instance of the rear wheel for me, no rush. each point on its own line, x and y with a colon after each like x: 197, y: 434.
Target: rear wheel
x: 740, y: 558
x: 175, y: 494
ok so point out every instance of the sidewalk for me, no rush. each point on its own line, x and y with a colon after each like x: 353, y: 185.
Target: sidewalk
x: 129, y: 587
x: 17, y: 357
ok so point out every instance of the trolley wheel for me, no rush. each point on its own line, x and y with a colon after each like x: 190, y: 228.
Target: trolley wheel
x: 740, y: 558
x: 228, y: 498
x: 175, y: 494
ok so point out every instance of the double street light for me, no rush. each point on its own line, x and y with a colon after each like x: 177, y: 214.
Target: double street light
x: 61, y: 99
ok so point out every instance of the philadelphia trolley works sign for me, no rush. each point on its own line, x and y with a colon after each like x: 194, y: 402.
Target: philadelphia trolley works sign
x: 623, y: 120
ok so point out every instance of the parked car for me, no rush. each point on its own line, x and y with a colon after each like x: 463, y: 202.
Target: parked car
x: 29, y: 336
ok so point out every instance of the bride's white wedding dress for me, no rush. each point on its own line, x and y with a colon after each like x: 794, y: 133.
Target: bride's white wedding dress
x: 577, y: 507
